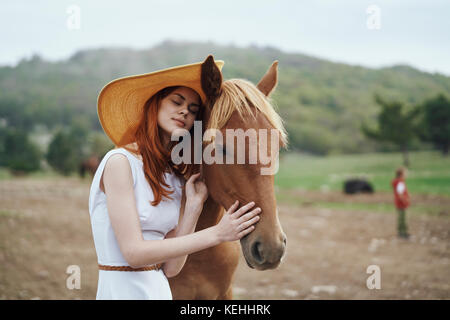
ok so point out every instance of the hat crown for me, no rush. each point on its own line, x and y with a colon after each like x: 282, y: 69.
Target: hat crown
x: 121, y: 102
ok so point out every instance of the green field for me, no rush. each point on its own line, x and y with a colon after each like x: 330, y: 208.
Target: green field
x: 429, y: 172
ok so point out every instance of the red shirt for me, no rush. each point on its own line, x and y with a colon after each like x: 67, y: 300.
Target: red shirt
x: 401, y: 195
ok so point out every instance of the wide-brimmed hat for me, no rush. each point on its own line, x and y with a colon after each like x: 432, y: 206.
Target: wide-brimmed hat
x: 120, y: 103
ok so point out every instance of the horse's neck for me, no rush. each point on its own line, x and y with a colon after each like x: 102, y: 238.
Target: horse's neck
x: 211, y: 214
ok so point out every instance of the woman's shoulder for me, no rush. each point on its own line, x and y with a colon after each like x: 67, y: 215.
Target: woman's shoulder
x: 117, y: 152
x: 118, y: 162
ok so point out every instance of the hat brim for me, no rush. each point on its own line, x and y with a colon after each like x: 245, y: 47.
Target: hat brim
x: 121, y: 102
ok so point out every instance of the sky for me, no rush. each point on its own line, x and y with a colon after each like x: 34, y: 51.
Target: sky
x: 358, y: 32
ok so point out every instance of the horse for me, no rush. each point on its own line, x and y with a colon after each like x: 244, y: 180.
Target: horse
x: 90, y: 165
x: 234, y: 104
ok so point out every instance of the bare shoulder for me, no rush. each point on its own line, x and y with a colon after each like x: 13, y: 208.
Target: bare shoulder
x: 117, y: 172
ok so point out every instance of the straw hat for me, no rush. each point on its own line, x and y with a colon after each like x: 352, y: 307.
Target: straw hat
x: 121, y: 102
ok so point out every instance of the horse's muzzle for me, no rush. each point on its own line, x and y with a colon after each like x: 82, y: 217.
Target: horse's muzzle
x: 262, y: 255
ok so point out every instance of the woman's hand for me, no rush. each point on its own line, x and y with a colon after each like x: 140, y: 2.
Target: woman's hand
x: 196, y: 191
x: 236, y: 224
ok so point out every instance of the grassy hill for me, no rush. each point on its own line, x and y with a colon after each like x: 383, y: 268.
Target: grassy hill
x: 322, y: 102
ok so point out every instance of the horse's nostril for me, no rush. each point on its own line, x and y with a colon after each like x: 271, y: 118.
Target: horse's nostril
x: 257, y: 252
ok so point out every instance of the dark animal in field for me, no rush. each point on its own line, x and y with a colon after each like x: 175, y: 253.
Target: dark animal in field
x: 354, y: 186
x: 90, y: 165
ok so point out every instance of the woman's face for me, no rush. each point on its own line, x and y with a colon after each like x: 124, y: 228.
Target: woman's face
x: 178, y: 110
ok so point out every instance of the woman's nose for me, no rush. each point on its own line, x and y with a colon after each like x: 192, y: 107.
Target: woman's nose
x: 184, y: 111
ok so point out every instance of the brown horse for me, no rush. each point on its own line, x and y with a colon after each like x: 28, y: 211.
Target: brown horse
x: 90, y: 165
x: 235, y: 104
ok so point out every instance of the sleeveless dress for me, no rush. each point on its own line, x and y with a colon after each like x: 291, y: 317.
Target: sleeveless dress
x: 155, y: 223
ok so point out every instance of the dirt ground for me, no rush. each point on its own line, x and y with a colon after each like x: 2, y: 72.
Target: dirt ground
x: 45, y: 228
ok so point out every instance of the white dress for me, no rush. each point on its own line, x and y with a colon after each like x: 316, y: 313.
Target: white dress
x: 155, y: 223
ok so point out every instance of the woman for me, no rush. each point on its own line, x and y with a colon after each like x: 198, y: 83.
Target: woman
x: 135, y: 197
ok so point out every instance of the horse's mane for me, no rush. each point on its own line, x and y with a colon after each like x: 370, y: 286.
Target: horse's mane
x: 241, y: 95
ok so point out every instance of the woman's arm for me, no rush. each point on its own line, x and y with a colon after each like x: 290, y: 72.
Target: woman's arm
x: 121, y: 204
x: 189, y: 213
x: 194, y: 195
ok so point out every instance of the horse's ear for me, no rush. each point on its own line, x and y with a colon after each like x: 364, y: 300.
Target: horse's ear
x: 211, y: 78
x: 269, y: 81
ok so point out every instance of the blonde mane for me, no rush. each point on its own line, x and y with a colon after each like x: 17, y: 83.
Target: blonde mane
x: 241, y: 95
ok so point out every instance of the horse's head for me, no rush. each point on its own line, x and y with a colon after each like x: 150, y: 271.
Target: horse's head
x: 246, y: 122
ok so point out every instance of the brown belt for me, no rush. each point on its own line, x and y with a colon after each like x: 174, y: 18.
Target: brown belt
x: 128, y: 268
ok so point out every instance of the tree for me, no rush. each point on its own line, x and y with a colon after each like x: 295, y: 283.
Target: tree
x: 395, y: 126
x: 435, y: 123
x: 3, y: 153
x: 61, y: 154
x: 99, y: 144
x: 69, y: 146
x: 17, y: 152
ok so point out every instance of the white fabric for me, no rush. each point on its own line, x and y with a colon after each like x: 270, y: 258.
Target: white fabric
x: 155, y: 223
x: 400, y: 188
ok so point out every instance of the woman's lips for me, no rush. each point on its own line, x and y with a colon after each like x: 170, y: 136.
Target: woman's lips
x: 179, y: 123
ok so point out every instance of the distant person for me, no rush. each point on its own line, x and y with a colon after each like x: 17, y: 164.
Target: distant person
x: 401, y: 197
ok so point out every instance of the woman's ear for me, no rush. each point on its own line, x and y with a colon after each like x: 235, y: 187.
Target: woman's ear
x: 211, y: 79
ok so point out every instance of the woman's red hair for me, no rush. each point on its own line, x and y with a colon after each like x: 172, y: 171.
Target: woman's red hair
x: 156, y: 158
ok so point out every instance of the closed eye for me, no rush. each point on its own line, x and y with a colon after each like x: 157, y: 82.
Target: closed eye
x: 190, y: 108
x: 193, y: 109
